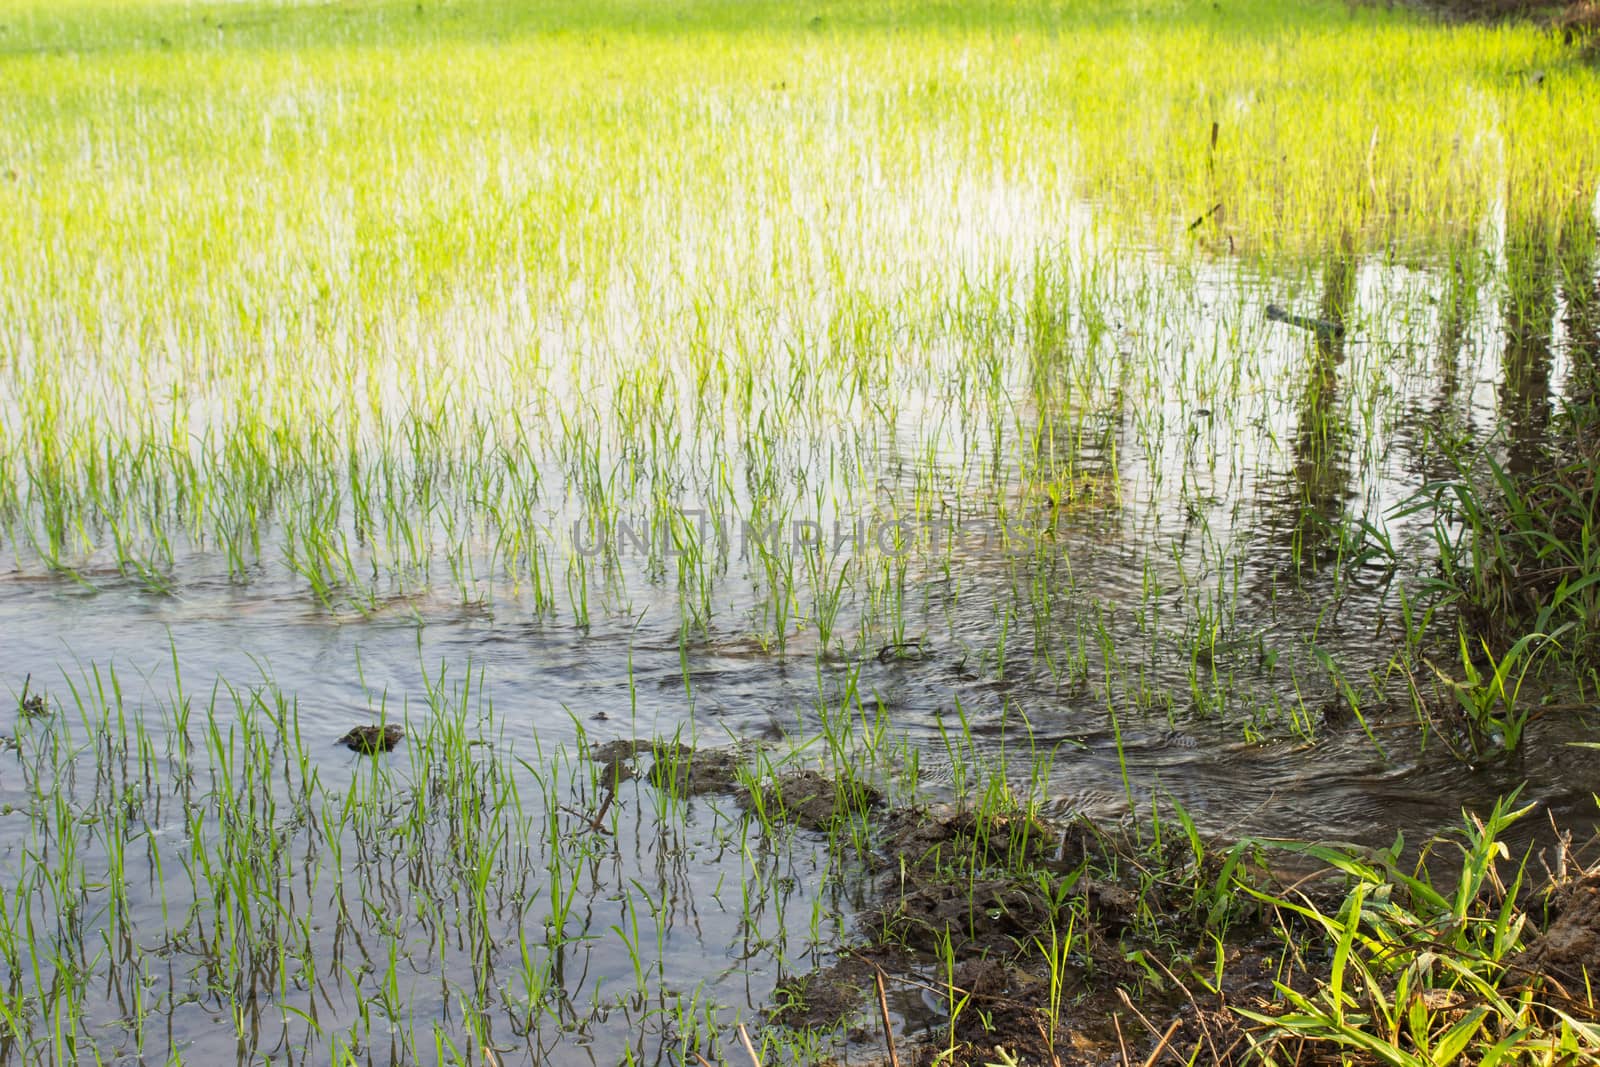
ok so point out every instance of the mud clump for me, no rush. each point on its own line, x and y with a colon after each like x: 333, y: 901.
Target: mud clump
x: 931, y: 837
x: 1568, y: 952
x: 673, y: 766
x: 804, y: 798
x: 615, y: 760
x: 693, y: 772
x: 966, y: 906
x: 810, y: 800
x: 830, y: 995
x: 371, y: 740
x: 986, y: 884
x: 32, y: 704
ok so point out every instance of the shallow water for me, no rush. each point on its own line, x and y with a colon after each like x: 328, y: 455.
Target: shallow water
x: 1184, y: 591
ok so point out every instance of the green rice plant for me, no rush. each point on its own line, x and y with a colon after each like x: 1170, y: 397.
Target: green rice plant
x: 399, y: 463
x: 1057, y: 955
x: 956, y: 998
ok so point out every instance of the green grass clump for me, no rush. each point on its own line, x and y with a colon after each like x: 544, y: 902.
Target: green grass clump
x: 1428, y: 973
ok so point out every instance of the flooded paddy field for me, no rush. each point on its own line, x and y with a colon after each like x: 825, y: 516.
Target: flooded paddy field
x: 687, y: 533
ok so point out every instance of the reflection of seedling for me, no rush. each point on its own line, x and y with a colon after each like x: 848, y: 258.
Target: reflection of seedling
x: 31, y: 704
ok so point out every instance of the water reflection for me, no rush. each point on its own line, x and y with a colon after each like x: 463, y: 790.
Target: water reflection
x: 1449, y: 412
x: 1322, y: 471
x: 1528, y: 313
x: 1580, y: 298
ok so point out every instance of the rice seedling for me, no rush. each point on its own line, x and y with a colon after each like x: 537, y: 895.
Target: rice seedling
x: 1119, y: 372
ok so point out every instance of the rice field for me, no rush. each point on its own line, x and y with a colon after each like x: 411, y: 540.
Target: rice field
x: 710, y: 430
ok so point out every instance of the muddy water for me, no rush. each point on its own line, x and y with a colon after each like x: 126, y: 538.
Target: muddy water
x: 1197, y: 625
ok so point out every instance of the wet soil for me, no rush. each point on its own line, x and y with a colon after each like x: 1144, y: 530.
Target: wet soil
x: 678, y: 768
x: 1492, y: 10
x: 965, y: 901
x: 1567, y: 953
x: 810, y: 800
x: 804, y: 798
x: 964, y: 905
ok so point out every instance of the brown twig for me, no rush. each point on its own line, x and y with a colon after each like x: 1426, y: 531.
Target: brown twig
x: 888, y: 1029
x: 744, y: 1036
x: 597, y: 823
x: 1128, y: 1003
x: 1199, y: 1013
x: 1161, y: 1046
x: 1049, y: 1044
x: 1195, y: 225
